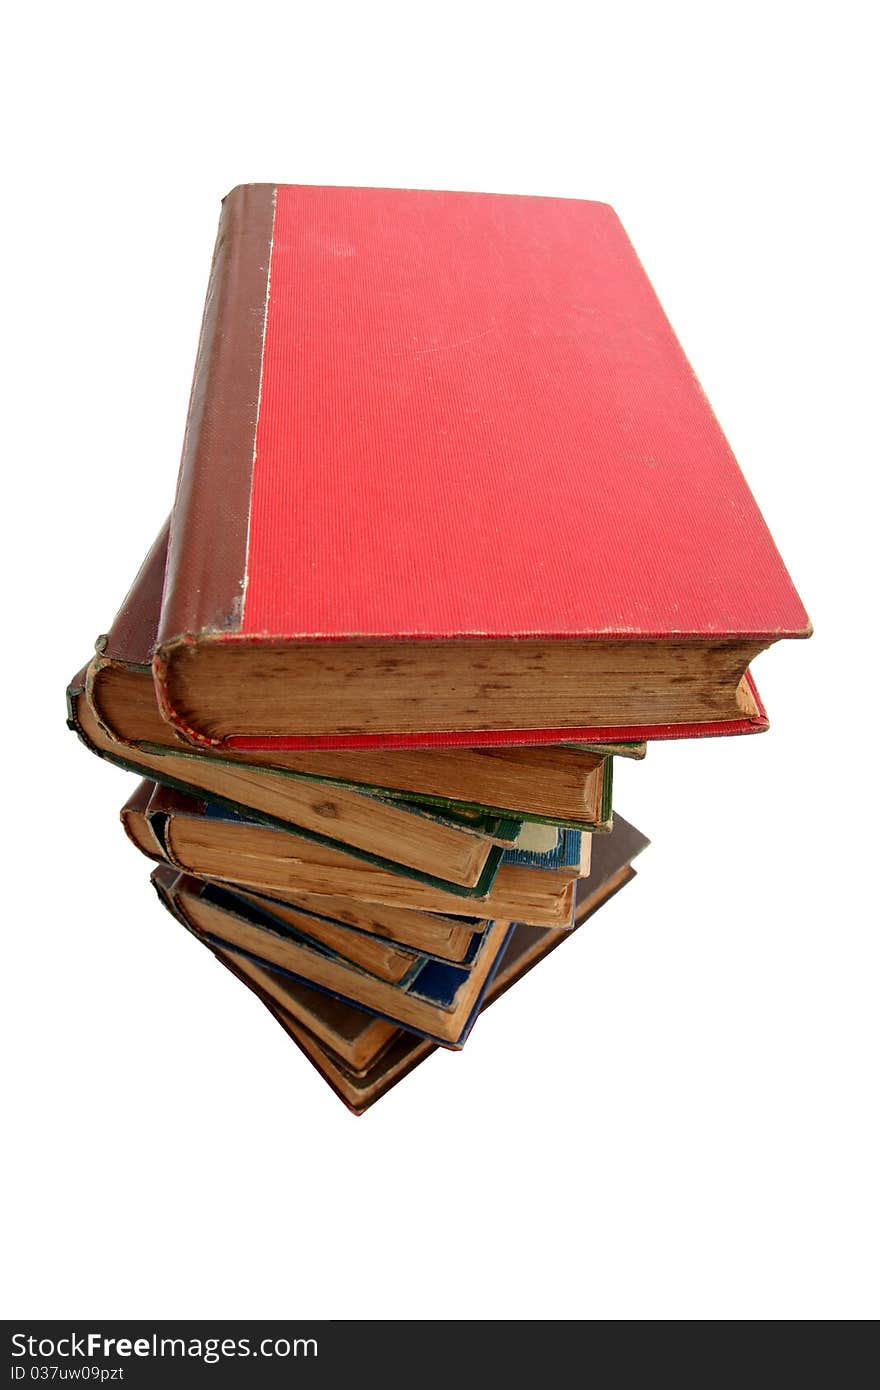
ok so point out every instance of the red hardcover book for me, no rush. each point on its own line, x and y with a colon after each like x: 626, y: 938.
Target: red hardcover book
x: 449, y: 477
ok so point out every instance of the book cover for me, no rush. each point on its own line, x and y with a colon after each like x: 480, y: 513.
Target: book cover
x: 406, y: 406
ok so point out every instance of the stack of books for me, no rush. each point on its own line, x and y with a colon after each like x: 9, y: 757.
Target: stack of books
x: 455, y: 527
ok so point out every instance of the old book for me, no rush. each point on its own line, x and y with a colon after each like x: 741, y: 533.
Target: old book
x: 434, y: 998
x: 428, y: 934
x: 447, y: 472
x: 136, y: 824
x: 518, y: 894
x: 385, y: 1059
x: 209, y: 843
x: 195, y: 831
x: 373, y: 953
x: 113, y: 708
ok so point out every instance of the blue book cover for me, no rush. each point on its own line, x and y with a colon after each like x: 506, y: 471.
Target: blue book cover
x: 565, y: 854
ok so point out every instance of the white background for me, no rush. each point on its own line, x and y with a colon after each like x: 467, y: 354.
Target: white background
x: 675, y: 1117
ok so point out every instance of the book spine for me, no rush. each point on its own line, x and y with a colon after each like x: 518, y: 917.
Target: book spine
x: 205, y: 574
x: 132, y: 635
